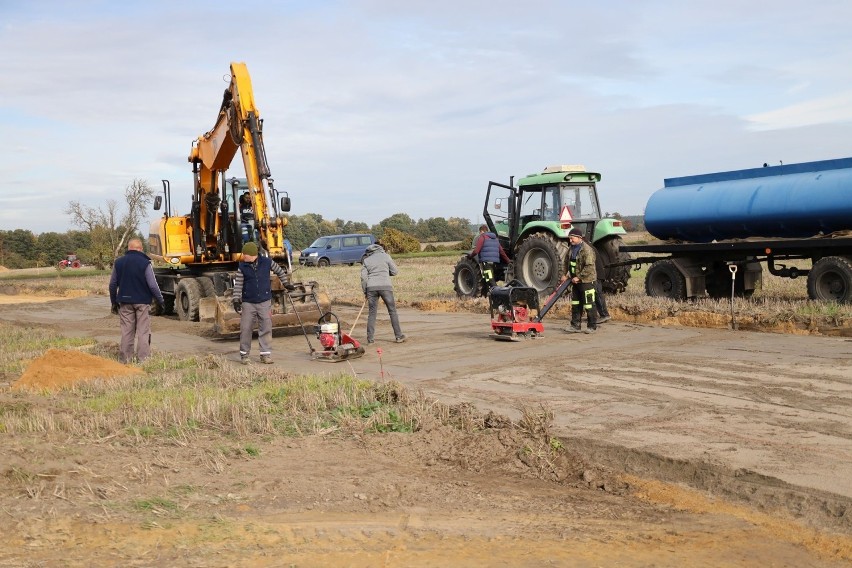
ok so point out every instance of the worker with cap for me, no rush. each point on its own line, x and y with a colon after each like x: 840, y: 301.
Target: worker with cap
x: 252, y: 297
x: 581, y: 270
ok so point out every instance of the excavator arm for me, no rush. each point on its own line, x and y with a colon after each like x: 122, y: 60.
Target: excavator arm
x: 238, y: 127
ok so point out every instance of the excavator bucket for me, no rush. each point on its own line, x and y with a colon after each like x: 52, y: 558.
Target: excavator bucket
x: 305, y: 305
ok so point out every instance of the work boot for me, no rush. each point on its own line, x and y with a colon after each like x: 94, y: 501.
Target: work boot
x: 591, y: 329
x: 244, y: 359
x: 603, y: 319
x: 573, y: 329
x: 400, y: 339
x: 266, y: 359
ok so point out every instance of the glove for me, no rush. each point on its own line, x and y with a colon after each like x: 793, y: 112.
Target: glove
x: 162, y: 308
x: 114, y: 309
x: 238, y: 306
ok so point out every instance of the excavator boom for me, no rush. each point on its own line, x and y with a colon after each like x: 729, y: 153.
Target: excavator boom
x: 203, y: 248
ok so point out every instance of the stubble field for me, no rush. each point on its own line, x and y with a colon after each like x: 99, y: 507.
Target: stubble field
x: 667, y: 439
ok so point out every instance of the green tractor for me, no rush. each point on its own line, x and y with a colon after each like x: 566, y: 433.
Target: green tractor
x: 532, y: 222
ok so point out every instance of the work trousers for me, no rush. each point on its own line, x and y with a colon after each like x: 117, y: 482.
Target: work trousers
x: 373, y: 303
x: 262, y: 314
x: 600, y: 301
x: 135, y: 322
x: 583, y: 300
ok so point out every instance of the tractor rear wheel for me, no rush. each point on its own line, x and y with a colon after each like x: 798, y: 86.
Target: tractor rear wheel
x: 187, y: 298
x: 467, y: 278
x: 613, y: 279
x: 540, y: 262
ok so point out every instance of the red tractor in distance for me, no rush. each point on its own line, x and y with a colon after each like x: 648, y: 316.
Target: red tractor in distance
x: 70, y: 261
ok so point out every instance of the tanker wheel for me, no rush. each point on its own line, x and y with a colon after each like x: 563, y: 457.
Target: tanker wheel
x: 614, y: 280
x: 540, y: 262
x: 830, y: 279
x: 467, y: 278
x: 664, y: 280
x: 718, y: 283
x: 187, y: 298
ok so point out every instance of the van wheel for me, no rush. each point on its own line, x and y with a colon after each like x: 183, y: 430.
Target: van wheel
x: 323, y: 263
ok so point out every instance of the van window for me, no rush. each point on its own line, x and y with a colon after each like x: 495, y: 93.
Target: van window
x: 365, y: 240
x: 319, y: 243
x: 333, y: 243
x: 350, y: 241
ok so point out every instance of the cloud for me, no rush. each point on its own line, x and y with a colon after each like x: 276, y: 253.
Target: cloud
x: 824, y: 110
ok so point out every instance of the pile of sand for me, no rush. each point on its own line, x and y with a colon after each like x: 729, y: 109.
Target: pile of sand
x: 59, y: 369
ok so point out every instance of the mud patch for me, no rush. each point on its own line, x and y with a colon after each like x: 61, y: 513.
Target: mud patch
x: 58, y: 369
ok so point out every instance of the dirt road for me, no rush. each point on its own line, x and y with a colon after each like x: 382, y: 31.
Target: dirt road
x: 760, y: 419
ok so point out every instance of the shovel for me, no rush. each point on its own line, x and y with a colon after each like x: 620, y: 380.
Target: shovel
x: 358, y: 317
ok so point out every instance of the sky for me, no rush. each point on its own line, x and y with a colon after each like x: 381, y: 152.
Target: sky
x: 376, y: 107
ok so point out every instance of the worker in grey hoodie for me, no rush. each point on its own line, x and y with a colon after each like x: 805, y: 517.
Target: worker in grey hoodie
x: 377, y: 267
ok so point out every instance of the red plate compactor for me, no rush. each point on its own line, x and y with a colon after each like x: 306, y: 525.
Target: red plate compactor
x: 515, y: 314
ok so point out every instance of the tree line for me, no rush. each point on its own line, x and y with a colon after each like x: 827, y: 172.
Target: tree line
x: 304, y: 229
x: 105, y: 233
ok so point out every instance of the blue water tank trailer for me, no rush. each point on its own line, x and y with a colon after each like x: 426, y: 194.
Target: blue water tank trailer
x: 784, y: 201
x: 718, y: 231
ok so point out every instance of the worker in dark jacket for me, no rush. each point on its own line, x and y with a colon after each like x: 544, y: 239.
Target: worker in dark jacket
x: 581, y: 270
x: 252, y: 297
x: 377, y: 267
x: 489, y: 252
x: 132, y: 288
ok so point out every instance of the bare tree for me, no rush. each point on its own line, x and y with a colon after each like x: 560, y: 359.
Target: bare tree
x: 109, y: 228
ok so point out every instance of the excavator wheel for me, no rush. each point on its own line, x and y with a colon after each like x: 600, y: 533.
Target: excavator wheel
x: 187, y: 298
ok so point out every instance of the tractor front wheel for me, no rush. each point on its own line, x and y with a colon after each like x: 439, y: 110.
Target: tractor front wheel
x: 467, y: 278
x: 540, y: 262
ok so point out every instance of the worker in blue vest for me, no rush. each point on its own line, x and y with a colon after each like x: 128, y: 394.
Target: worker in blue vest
x: 252, y: 297
x: 488, y: 251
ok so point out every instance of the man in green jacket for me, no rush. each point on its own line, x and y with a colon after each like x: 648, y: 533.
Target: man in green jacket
x: 581, y: 270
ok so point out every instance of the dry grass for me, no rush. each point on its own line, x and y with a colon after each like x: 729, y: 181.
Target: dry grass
x: 426, y: 283
x: 176, y: 399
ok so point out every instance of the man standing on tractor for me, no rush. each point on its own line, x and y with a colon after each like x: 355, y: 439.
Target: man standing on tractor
x: 581, y: 270
x: 489, y: 252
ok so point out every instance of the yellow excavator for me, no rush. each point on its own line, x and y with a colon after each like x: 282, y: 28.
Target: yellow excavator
x: 202, y: 249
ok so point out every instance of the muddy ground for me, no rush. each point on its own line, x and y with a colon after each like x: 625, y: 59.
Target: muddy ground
x: 684, y: 447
